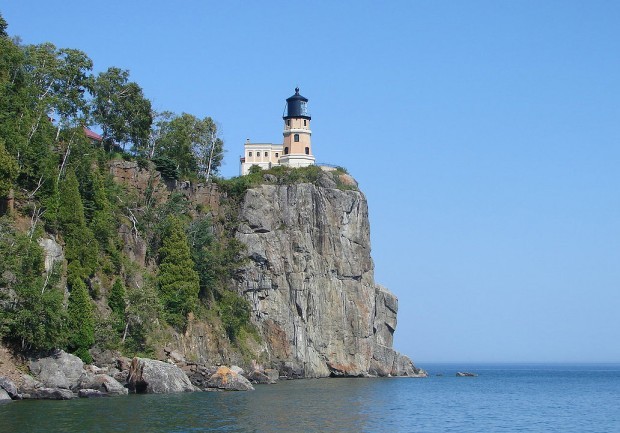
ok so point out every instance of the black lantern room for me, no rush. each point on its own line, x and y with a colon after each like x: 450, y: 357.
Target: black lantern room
x: 296, y: 106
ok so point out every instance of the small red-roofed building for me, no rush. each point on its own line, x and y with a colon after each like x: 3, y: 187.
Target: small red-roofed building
x: 93, y: 136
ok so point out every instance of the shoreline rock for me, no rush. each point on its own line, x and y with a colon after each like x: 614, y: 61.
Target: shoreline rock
x: 157, y: 377
x: 229, y: 380
x: 465, y: 374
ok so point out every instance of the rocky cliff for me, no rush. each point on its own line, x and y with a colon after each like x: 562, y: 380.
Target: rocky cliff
x: 309, y: 278
x: 311, y: 285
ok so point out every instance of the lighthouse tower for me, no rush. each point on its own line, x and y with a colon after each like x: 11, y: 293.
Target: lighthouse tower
x: 297, y: 146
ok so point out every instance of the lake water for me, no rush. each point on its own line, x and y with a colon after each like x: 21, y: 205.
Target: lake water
x: 503, y: 398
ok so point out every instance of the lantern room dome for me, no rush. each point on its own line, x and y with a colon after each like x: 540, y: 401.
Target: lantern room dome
x: 296, y: 106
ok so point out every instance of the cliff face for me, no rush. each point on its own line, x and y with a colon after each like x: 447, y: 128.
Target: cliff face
x: 311, y: 284
x: 309, y: 280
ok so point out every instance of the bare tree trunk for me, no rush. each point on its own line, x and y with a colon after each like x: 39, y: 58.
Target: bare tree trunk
x: 213, y: 139
x: 39, y: 184
x: 47, y: 278
x: 34, y: 220
x: 125, y: 331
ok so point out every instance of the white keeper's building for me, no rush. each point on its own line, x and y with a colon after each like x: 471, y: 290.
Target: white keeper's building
x: 295, y: 151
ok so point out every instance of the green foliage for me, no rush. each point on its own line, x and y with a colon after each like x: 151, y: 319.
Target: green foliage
x: 3, y: 26
x: 236, y: 187
x: 177, y: 280
x: 47, y: 96
x: 81, y: 320
x: 235, y: 314
x: 101, y: 223
x: 217, y: 258
x: 167, y: 167
x: 81, y: 246
x: 190, y: 142
x: 8, y: 170
x: 143, y: 310
x: 121, y: 109
x: 117, y: 301
x: 255, y: 169
x: 31, y: 310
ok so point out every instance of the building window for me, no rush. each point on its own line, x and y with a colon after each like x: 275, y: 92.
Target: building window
x: 288, y: 122
x: 266, y: 154
x: 307, y: 151
x: 249, y: 154
x: 304, y: 122
x: 286, y: 150
x: 277, y: 154
x: 296, y: 138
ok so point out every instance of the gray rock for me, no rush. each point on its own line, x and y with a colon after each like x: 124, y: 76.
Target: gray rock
x: 29, y: 384
x: 101, y: 382
x: 4, y: 396
x: 121, y: 376
x: 270, y: 178
x: 226, y: 379
x: 310, y: 281
x: 157, y: 377
x: 262, y: 377
x: 237, y: 369
x: 326, y: 180
x: 61, y: 370
x: 176, y: 357
x: 91, y: 393
x: 7, y: 385
x: 105, y: 358
x: 403, y: 366
x: 52, y: 394
x: 465, y: 374
x: 257, y: 376
x: 272, y: 374
x: 53, y: 252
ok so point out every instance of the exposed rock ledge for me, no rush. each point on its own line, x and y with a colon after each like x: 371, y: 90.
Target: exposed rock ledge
x: 311, y: 283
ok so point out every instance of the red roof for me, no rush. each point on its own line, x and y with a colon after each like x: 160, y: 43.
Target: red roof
x: 92, y: 135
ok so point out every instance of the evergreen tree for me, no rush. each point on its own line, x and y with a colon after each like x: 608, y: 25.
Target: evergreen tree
x: 81, y: 246
x: 177, y: 280
x: 117, y: 301
x: 8, y: 171
x: 81, y: 320
x: 102, y: 224
x: 3, y: 26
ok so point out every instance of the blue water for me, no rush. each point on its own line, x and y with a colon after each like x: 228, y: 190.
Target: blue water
x: 503, y: 398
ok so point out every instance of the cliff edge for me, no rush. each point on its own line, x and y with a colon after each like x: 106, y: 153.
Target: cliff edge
x: 311, y: 285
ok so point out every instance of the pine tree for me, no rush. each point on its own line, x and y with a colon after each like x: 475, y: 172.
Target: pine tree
x: 177, y: 280
x: 81, y: 320
x: 101, y: 224
x: 117, y: 303
x: 81, y: 246
x: 8, y: 170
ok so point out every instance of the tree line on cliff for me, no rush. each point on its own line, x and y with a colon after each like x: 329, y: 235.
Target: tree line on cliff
x: 55, y: 183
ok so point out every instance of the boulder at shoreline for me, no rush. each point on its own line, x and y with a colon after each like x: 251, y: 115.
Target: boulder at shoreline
x: 157, y: 377
x: 228, y: 380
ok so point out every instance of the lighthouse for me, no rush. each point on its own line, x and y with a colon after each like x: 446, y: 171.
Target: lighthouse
x: 295, y: 151
x: 297, y: 146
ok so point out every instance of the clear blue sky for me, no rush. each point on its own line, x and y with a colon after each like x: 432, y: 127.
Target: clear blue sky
x: 485, y: 134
